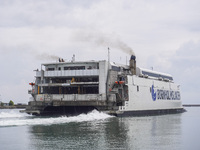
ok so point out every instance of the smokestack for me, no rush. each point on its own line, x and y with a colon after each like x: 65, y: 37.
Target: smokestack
x: 132, y: 64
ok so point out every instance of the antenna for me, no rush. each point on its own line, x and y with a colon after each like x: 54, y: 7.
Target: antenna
x: 108, y: 54
x: 108, y: 58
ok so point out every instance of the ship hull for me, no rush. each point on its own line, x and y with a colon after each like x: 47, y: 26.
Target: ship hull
x: 77, y: 110
x: 149, y: 112
x: 62, y: 111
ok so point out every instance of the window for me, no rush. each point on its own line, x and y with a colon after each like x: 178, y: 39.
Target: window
x: 51, y: 69
x: 138, y: 88
x: 115, y: 68
x: 75, y: 68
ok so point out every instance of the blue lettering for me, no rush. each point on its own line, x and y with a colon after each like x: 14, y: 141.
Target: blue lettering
x: 164, y: 94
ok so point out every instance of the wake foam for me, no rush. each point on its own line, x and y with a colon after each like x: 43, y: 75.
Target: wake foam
x: 12, y: 114
x: 92, y: 116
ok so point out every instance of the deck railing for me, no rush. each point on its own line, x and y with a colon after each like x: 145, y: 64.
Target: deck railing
x: 58, y: 73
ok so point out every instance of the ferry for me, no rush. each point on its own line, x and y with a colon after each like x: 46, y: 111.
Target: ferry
x: 75, y: 87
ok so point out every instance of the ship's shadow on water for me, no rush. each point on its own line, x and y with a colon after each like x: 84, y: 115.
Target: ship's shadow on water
x: 153, y: 132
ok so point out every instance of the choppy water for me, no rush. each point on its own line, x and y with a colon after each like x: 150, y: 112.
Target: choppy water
x: 100, y: 131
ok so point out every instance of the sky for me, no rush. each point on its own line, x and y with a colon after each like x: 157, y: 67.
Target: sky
x: 163, y: 34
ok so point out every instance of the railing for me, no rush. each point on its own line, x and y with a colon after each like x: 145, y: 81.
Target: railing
x: 69, y: 97
x: 58, y: 73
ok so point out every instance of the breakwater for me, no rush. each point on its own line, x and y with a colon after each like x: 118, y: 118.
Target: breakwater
x: 13, y: 107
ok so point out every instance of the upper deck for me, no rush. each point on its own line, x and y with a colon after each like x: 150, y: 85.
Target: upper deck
x: 153, y: 74
x: 70, y: 69
x: 69, y: 73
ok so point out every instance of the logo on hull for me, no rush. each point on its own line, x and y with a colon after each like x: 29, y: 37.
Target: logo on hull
x: 153, y: 94
x: 162, y: 94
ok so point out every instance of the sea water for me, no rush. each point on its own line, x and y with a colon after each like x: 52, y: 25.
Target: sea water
x: 99, y: 131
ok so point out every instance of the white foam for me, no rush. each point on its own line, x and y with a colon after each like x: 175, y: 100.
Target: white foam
x: 94, y: 115
x: 12, y: 114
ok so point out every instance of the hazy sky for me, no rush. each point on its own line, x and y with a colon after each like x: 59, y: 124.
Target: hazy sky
x: 164, y: 34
